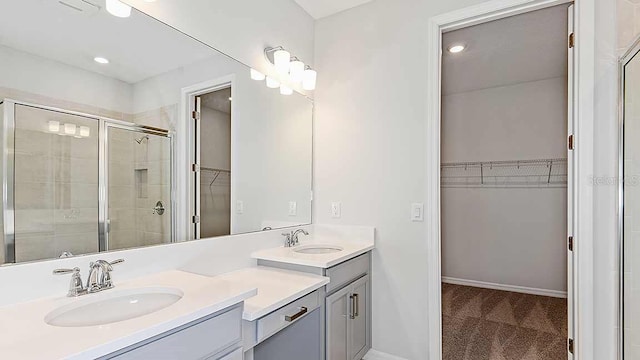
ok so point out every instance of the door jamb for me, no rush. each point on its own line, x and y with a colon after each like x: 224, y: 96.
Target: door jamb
x: 184, y: 144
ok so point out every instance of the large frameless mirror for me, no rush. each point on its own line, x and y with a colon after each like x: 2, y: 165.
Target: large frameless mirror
x: 630, y: 202
x: 121, y: 132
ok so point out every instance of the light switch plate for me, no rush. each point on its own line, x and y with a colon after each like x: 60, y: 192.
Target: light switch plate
x: 293, y: 208
x: 336, y: 210
x: 417, y: 212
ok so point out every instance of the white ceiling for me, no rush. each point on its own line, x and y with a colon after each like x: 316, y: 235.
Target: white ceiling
x: 138, y: 47
x: 522, y: 48
x: 322, y: 8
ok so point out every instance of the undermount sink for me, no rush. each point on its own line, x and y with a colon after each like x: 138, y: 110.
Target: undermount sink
x: 112, y: 306
x: 318, y: 249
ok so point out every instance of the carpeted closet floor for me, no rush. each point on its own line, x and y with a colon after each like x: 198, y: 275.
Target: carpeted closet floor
x: 484, y: 324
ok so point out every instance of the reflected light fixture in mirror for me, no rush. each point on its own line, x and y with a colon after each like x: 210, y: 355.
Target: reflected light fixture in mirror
x: 118, y: 8
x: 272, y: 83
x: 54, y: 126
x: 285, y: 90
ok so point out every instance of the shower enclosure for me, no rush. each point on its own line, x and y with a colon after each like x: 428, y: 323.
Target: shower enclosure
x: 75, y: 183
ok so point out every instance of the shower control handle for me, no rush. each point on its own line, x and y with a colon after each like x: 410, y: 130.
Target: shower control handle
x: 159, y: 209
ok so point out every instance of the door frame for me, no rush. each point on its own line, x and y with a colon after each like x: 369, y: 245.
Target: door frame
x: 185, y: 143
x: 583, y: 131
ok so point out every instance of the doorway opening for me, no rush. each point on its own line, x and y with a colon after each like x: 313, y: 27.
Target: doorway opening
x: 505, y: 187
x: 213, y: 144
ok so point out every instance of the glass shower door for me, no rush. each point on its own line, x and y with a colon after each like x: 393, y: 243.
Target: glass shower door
x: 55, y: 184
x: 138, y: 188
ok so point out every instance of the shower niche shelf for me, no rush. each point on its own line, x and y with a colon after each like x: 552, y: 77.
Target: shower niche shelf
x: 539, y: 173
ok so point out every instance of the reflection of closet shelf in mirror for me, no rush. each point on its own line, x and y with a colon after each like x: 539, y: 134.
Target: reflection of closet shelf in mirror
x: 215, y: 173
x: 550, y: 173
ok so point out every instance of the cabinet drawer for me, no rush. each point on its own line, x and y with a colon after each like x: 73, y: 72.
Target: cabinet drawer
x: 345, y: 273
x: 277, y: 320
x: 234, y: 355
x: 196, y: 341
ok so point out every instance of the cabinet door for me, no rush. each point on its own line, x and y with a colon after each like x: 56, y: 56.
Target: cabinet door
x: 359, y: 326
x: 337, y: 326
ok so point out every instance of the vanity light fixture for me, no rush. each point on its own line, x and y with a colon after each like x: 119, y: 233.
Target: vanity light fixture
x: 282, y: 61
x: 101, y: 60
x: 297, y: 71
x: 287, y: 64
x: 309, y: 79
x: 272, y: 83
x: 118, y: 8
x: 54, y: 126
x: 257, y: 75
x: 69, y: 129
x: 456, y: 48
x: 285, y: 90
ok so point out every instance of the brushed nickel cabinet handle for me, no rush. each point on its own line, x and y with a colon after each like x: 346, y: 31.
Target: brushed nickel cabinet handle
x: 303, y: 310
x: 356, y: 312
x: 352, y: 313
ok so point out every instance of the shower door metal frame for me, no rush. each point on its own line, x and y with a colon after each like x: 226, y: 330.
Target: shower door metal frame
x: 8, y: 170
x: 103, y: 210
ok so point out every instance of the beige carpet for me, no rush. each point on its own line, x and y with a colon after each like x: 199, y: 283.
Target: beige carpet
x: 484, y: 324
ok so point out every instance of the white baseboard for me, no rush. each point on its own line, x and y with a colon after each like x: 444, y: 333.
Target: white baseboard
x: 513, y: 288
x: 379, y: 355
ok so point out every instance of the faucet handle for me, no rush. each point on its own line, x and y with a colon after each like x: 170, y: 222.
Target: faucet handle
x: 115, y: 262
x: 66, y: 271
x: 75, y: 286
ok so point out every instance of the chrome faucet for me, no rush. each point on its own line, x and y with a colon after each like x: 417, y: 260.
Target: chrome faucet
x: 99, y: 278
x: 291, y: 239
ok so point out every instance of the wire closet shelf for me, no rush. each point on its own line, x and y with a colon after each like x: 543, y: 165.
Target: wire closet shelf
x: 215, y: 176
x: 540, y: 173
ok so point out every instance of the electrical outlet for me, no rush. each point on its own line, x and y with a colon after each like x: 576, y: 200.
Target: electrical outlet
x: 239, y: 207
x: 336, y: 210
x: 293, y: 208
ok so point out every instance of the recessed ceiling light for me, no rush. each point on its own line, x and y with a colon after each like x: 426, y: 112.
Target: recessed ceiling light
x: 456, y: 49
x: 118, y: 8
x: 100, y: 60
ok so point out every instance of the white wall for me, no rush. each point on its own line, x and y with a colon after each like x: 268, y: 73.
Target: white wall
x: 240, y: 28
x: 370, y: 151
x: 508, y: 236
x: 37, y: 75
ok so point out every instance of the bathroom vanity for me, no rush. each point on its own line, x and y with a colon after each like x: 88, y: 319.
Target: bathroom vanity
x: 346, y: 299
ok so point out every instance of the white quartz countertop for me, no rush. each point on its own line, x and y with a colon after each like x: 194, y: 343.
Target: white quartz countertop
x: 350, y: 249
x: 25, y: 335
x: 276, y: 288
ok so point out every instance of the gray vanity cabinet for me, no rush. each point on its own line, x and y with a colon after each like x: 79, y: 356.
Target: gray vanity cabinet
x: 347, y: 306
x: 348, y: 321
x: 215, y: 337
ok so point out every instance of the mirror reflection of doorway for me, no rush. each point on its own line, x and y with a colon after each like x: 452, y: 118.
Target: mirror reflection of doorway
x: 213, y: 139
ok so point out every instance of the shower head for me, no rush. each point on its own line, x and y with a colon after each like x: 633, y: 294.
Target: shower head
x: 140, y: 140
